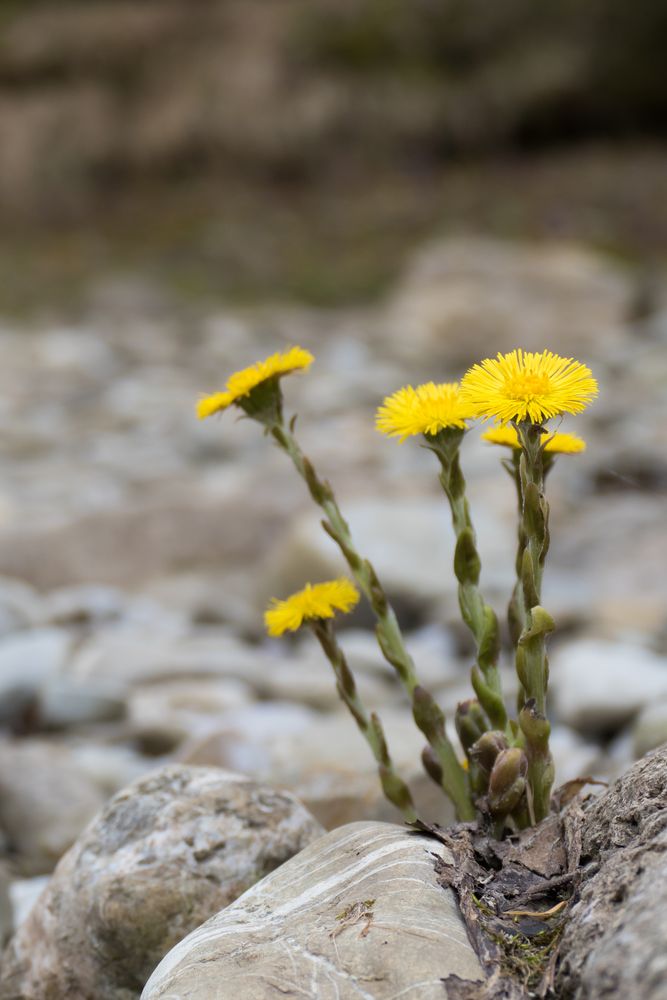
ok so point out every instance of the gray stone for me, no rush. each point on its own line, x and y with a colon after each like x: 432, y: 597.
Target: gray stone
x: 359, y: 913
x: 27, y: 661
x: 24, y: 893
x: 599, y: 686
x: 325, y: 761
x: 163, y: 856
x: 614, y: 940
x: 650, y: 728
x: 46, y: 799
x: 408, y: 539
x: 63, y: 702
x: 20, y: 606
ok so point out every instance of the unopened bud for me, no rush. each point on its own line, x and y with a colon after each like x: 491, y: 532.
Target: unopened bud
x: 508, y: 781
x: 432, y: 765
x: 487, y: 748
x: 470, y: 722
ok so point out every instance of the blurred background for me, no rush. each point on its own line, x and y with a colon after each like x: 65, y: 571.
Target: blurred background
x: 403, y: 188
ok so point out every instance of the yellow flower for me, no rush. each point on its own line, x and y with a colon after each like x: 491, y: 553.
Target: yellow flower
x: 560, y: 444
x: 319, y: 601
x: 522, y: 385
x: 241, y: 384
x: 425, y: 410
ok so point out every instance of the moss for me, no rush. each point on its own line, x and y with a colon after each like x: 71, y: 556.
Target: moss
x: 524, y: 958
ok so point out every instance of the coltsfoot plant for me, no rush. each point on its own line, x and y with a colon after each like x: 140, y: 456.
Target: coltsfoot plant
x: 506, y: 774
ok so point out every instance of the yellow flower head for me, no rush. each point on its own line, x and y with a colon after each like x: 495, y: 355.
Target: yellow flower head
x: 319, y: 601
x: 559, y: 444
x: 425, y: 410
x: 523, y: 385
x: 242, y: 383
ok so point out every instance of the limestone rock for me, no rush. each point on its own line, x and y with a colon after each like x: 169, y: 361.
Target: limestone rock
x: 614, y: 940
x: 165, y: 854
x: 599, y: 686
x: 27, y: 661
x: 324, y: 761
x: 650, y: 728
x: 359, y: 913
x: 46, y: 799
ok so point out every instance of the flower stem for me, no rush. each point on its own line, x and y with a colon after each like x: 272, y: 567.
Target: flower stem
x: 388, y: 632
x: 393, y: 786
x: 531, y: 657
x: 477, y: 614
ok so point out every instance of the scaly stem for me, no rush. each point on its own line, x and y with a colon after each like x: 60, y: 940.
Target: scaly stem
x: 477, y: 614
x: 390, y: 639
x: 531, y: 658
x: 393, y: 786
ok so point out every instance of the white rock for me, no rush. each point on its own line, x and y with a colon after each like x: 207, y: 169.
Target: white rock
x: 24, y: 893
x: 599, y: 686
x: 27, y: 661
x: 650, y: 728
x: 359, y: 913
x: 46, y: 799
x: 165, y: 854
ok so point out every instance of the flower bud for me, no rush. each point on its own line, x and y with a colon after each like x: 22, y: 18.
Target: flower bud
x: 470, y: 722
x: 508, y: 781
x: 487, y: 748
x: 432, y: 765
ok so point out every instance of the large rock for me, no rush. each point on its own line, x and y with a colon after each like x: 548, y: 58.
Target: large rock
x: 324, y: 761
x: 46, y: 799
x: 29, y: 660
x: 599, y: 686
x: 163, y: 856
x: 359, y: 913
x: 614, y: 940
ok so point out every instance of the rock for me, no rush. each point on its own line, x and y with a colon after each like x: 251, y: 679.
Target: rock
x: 650, y: 728
x: 409, y: 541
x: 359, y: 913
x: 46, y: 799
x: 63, y: 702
x: 599, y: 686
x: 141, y: 657
x: 20, y: 606
x: 614, y: 939
x: 557, y: 295
x: 24, y: 893
x: 7, y: 915
x: 183, y: 709
x: 164, y: 855
x: 326, y: 762
x: 27, y: 661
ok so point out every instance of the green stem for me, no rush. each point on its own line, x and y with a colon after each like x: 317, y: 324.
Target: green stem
x: 531, y: 657
x: 477, y: 614
x: 388, y: 632
x: 394, y: 787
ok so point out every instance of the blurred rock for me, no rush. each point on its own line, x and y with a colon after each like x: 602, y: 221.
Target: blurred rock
x: 46, y: 799
x: 20, y: 606
x: 409, y: 541
x: 163, y: 856
x: 185, y: 708
x: 63, y: 703
x: 359, y: 910
x: 600, y: 686
x: 24, y: 893
x: 8, y: 919
x: 533, y: 296
x: 328, y: 764
x: 650, y: 728
x: 28, y: 660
